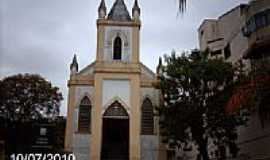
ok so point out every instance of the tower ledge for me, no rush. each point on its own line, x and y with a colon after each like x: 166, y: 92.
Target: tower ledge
x: 118, y: 23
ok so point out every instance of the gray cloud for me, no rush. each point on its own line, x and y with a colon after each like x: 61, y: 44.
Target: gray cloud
x: 41, y: 36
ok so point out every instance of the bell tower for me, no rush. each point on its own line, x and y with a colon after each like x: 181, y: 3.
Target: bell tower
x: 118, y: 33
x: 117, y: 75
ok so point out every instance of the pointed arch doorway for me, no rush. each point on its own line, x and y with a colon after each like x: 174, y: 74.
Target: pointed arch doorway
x: 115, y: 133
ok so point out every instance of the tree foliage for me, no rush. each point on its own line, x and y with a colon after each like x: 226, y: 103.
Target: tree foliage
x: 254, y: 92
x: 196, y: 91
x: 26, y: 97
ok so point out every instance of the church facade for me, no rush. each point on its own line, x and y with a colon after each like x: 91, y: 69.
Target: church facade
x: 111, y: 101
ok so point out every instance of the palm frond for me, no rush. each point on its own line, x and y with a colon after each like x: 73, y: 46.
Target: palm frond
x: 182, y: 5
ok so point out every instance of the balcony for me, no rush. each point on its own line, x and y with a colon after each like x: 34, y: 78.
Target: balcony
x: 257, y: 30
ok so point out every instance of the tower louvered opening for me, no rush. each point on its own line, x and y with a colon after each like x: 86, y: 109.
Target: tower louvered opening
x: 85, y: 116
x: 117, y: 49
x: 147, y: 119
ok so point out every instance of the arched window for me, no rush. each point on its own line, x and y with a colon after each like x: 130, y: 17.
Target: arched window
x: 85, y: 115
x: 147, y: 119
x: 116, y: 110
x: 117, y: 48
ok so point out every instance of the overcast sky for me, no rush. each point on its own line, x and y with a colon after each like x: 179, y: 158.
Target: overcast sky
x: 41, y: 36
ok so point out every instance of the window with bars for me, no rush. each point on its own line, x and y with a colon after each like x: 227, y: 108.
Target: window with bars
x: 256, y: 22
x: 84, y: 116
x: 147, y: 118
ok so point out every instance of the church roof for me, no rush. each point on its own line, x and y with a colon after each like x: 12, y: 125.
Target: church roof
x: 119, y: 12
x: 146, y: 72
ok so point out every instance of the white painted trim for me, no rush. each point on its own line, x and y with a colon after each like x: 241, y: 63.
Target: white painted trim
x: 111, y: 101
x: 145, y: 97
x: 86, y: 94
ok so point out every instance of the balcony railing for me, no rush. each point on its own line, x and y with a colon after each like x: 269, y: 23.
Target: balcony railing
x: 256, y: 22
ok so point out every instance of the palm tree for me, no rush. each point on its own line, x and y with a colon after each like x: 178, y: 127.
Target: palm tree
x: 182, y: 5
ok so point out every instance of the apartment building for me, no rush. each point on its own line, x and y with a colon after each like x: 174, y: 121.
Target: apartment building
x: 243, y: 33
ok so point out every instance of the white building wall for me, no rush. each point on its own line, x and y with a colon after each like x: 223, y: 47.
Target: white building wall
x: 125, y: 33
x: 226, y: 30
x: 231, y: 30
x: 239, y: 45
x: 149, y: 147
x: 82, y: 91
x: 115, y: 89
x: 152, y: 94
x: 81, y: 146
x: 81, y: 142
x: 206, y: 34
x: 150, y: 143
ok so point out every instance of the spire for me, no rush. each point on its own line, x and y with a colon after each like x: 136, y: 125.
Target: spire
x: 102, y: 10
x: 119, y: 12
x: 159, y: 67
x: 74, y: 65
x: 159, y: 61
x: 136, y: 11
